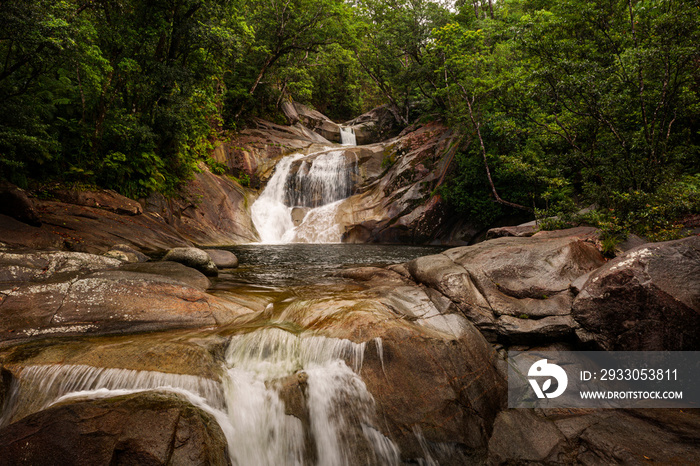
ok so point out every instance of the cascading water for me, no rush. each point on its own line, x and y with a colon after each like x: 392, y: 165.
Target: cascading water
x: 347, y: 136
x: 294, y: 400
x: 284, y: 399
x: 317, y: 188
x: 41, y: 386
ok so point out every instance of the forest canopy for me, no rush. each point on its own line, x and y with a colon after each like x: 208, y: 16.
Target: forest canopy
x: 561, y: 105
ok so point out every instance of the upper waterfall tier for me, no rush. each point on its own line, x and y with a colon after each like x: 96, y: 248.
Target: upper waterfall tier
x: 313, y: 184
x: 347, y: 136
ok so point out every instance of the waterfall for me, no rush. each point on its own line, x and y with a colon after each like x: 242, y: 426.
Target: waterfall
x: 38, y: 387
x: 347, y: 136
x: 299, y: 400
x: 317, y: 187
x: 284, y: 399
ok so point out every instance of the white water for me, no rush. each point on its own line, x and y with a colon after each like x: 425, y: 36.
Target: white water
x: 339, y: 411
x: 321, y: 182
x: 347, y: 136
x: 335, y: 422
x: 40, y: 386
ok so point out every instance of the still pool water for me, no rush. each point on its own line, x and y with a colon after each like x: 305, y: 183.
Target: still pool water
x: 306, y: 264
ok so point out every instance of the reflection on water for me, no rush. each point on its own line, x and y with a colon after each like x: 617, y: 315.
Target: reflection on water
x: 303, y: 264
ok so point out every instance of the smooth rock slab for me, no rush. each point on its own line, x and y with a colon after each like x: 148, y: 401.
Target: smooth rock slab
x: 648, y: 299
x: 41, y: 266
x: 195, y: 258
x: 654, y: 436
x: 145, y: 429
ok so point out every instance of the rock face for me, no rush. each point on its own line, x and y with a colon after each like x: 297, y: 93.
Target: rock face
x: 655, y: 436
x: 15, y: 203
x: 514, y: 289
x: 647, y: 299
x: 255, y: 150
x: 212, y: 210
x: 104, y: 199
x: 148, y: 429
x: 223, y: 259
x: 395, y: 200
x: 316, y: 121
x: 195, y: 258
x: 377, y: 125
x: 137, y: 298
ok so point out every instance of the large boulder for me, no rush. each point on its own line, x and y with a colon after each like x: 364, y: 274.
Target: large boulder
x: 147, y: 429
x: 654, y: 436
x: 195, y: 258
x: 648, y: 299
x: 379, y: 124
x: 223, y: 259
x: 514, y: 288
x: 315, y: 121
x: 15, y: 203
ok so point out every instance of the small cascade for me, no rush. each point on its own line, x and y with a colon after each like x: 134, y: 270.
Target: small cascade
x: 317, y: 186
x: 325, y: 181
x: 299, y: 400
x: 347, y: 136
x: 38, y: 387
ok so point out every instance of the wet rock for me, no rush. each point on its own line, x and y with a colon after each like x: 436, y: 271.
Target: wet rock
x: 531, y: 331
x: 39, y: 266
x: 165, y: 352
x: 15, y: 203
x: 514, y: 287
x: 195, y: 258
x: 223, y: 259
x: 376, y: 275
x: 448, y: 389
x: 103, y: 199
x: 648, y: 299
x: 174, y: 270
x: 147, y: 428
x: 298, y: 214
x: 439, y: 380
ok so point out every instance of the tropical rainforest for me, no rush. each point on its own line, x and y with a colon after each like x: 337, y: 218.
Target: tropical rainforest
x: 569, y: 110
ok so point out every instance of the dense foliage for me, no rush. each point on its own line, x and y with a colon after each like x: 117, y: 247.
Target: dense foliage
x: 561, y: 104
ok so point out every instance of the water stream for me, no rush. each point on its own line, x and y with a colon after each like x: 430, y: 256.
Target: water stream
x: 301, y: 200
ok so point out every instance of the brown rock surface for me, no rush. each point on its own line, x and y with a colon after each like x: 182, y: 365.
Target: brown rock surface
x: 146, y: 429
x: 648, y: 299
x: 509, y: 286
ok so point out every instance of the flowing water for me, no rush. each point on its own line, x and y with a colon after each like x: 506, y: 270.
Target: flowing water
x: 310, y: 187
